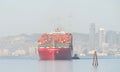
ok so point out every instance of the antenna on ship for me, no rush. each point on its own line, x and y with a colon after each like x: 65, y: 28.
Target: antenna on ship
x: 59, y: 23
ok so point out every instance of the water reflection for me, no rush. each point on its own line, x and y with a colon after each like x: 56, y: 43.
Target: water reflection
x: 94, y: 69
x: 55, y: 66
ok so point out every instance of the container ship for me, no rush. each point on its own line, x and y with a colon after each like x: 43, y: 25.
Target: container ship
x: 56, y: 45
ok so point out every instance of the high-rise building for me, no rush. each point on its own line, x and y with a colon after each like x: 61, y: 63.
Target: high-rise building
x: 101, y: 39
x: 92, y: 36
x: 112, y: 37
x: 118, y: 38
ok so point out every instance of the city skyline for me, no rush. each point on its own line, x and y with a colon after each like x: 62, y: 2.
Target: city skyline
x: 107, y: 43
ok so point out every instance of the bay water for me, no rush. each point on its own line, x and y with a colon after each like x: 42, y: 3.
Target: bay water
x: 36, y: 65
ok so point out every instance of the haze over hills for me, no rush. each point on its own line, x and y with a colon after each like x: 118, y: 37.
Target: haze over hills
x: 26, y: 45
x: 19, y: 43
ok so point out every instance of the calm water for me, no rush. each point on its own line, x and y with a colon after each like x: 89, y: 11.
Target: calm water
x: 82, y: 65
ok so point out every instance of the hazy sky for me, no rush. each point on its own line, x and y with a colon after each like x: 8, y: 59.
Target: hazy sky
x: 38, y: 16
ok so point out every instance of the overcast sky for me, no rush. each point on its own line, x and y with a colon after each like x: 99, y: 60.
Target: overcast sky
x: 38, y: 16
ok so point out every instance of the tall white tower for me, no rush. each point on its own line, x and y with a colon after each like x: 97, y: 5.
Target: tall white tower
x: 101, y: 39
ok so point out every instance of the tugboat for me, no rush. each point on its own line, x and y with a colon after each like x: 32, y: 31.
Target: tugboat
x: 75, y: 56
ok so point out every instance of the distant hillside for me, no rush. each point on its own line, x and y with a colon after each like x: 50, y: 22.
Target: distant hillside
x: 28, y: 43
x: 25, y: 41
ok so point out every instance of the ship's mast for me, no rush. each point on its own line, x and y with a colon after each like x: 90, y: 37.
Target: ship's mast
x: 54, y: 45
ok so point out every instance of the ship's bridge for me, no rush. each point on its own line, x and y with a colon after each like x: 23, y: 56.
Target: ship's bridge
x: 57, y: 31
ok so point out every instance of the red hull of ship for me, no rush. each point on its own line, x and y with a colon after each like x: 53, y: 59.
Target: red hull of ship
x: 54, y: 53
